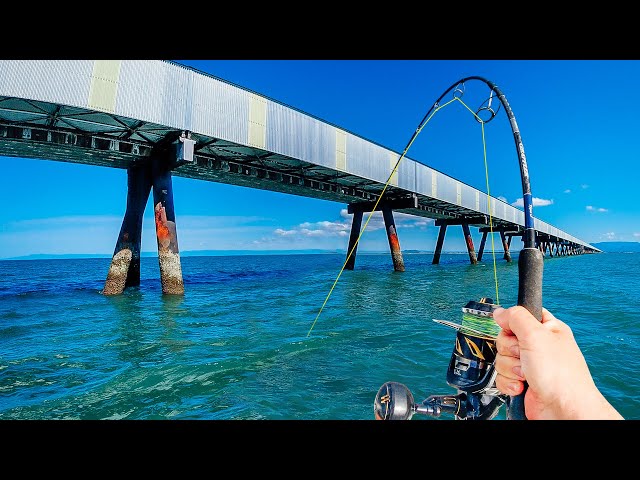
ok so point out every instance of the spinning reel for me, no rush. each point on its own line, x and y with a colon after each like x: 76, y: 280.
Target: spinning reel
x: 471, y: 372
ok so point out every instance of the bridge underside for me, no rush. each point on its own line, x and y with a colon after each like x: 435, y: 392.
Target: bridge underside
x: 35, y: 129
x: 32, y: 129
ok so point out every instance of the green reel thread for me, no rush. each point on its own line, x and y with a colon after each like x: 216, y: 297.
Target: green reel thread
x: 477, y: 317
x: 480, y: 324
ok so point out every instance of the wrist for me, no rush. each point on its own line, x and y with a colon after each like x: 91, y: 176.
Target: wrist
x: 591, y: 405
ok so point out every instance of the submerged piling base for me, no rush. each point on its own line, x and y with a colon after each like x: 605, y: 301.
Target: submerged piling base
x: 125, y: 264
x: 124, y: 270
x: 165, y: 219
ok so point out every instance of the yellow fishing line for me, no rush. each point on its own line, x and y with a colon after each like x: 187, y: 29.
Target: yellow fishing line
x: 486, y: 173
x: 395, y: 168
x: 493, y: 248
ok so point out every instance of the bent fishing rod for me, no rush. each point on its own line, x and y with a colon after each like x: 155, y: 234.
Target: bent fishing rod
x: 471, y: 368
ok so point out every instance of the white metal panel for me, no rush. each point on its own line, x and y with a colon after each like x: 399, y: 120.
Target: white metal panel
x: 423, y: 179
x: 447, y: 189
x: 367, y: 160
x: 57, y: 81
x: 407, y: 174
x: 468, y: 197
x: 483, y: 203
x: 300, y: 136
x: 221, y: 110
x: 157, y: 92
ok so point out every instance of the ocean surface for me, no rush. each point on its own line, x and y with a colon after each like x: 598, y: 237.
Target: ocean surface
x: 239, y: 345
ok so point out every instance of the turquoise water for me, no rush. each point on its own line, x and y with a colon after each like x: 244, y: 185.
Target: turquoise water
x: 236, y: 345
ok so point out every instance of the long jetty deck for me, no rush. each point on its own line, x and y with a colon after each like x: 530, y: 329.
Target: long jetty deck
x: 158, y: 118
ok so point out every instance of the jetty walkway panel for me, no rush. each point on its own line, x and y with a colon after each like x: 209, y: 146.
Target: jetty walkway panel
x: 115, y: 112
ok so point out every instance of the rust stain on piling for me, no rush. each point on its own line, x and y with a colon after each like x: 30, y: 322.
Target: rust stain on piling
x: 469, y: 243
x: 471, y: 249
x: 395, y: 244
x: 396, y: 253
x: 168, y: 255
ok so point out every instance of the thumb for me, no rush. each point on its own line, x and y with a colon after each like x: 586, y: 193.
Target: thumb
x: 516, y: 320
x: 521, y: 322
x: 501, y: 317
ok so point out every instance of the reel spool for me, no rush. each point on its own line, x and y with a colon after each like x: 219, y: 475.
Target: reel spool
x: 471, y: 372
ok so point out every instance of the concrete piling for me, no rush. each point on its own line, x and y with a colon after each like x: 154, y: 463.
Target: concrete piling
x: 439, y: 244
x: 505, y: 246
x: 482, y: 243
x: 165, y: 220
x: 124, y: 270
x: 469, y: 241
x: 356, y: 224
x: 394, y: 244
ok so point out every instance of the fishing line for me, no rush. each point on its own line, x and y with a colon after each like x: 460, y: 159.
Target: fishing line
x: 428, y: 116
x: 486, y: 174
x: 493, y: 248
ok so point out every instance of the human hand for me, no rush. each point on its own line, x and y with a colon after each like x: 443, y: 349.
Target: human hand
x: 546, y: 356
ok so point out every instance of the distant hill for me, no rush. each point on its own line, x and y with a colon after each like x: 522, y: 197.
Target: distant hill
x: 208, y: 253
x: 618, y: 246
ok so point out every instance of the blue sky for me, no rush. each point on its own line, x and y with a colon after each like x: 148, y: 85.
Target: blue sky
x: 578, y: 119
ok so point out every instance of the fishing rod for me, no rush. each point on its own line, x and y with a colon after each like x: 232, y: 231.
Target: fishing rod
x: 471, y: 368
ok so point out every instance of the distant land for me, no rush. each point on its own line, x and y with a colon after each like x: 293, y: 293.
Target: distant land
x: 612, y: 247
x: 218, y: 253
x: 618, y: 247
x: 186, y: 253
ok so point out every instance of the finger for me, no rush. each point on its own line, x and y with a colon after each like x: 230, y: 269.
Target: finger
x: 547, y: 316
x: 507, y: 345
x: 501, y: 317
x: 509, y: 367
x: 522, y: 323
x: 508, y: 386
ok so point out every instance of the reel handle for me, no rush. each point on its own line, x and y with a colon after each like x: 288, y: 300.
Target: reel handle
x: 530, y: 266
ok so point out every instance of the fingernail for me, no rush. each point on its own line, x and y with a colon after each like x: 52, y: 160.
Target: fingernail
x: 498, y: 310
x: 515, y: 350
x: 517, y: 371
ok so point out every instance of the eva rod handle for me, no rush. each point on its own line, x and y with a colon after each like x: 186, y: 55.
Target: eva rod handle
x: 530, y: 265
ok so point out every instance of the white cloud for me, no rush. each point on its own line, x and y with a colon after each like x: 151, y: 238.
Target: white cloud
x: 637, y: 235
x: 342, y: 227
x: 591, y: 208
x: 316, y: 229
x: 584, y: 186
x: 284, y: 233
x: 537, y: 202
x: 568, y: 190
x: 503, y: 199
x: 609, y: 235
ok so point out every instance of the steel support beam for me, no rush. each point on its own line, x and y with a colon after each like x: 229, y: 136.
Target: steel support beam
x: 394, y: 244
x: 469, y: 241
x: 439, y: 243
x: 394, y: 204
x: 505, y: 246
x: 124, y: 270
x: 356, y: 224
x: 165, y: 219
x: 480, y: 220
x: 482, y: 242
